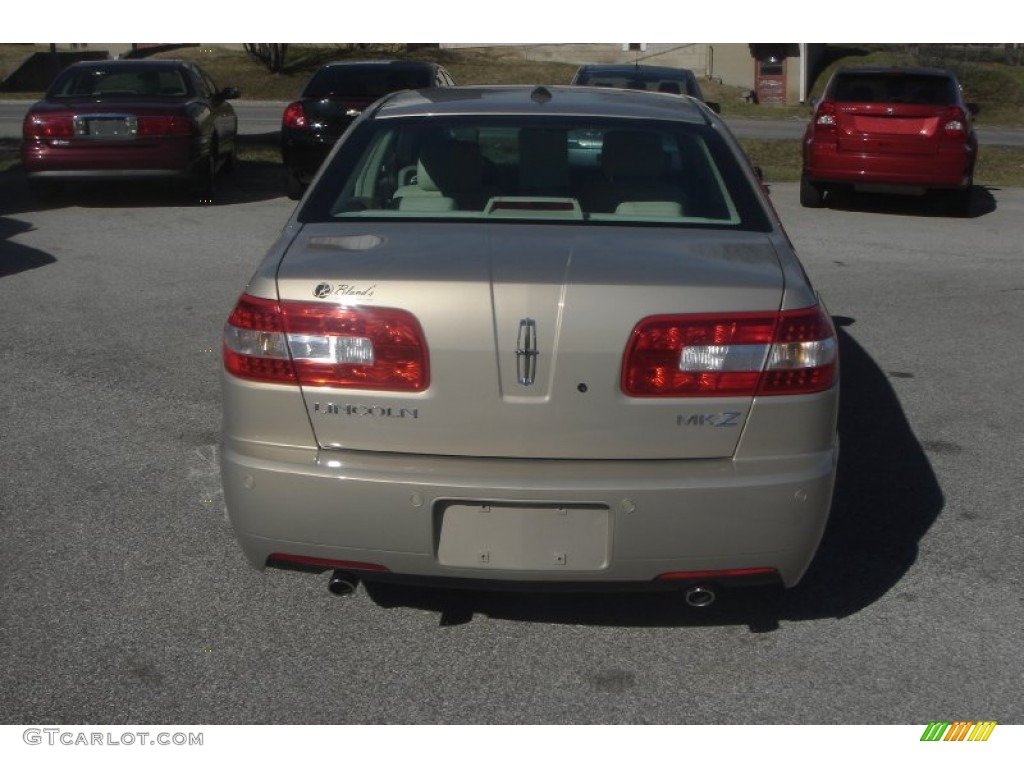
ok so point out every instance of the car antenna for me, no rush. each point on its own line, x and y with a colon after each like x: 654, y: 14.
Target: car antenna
x: 540, y: 95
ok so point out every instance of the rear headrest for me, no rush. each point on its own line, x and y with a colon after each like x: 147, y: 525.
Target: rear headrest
x: 633, y: 153
x: 543, y: 158
x: 449, y: 166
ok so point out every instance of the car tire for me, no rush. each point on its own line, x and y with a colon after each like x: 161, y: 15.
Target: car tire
x: 204, y: 180
x: 229, y: 162
x: 811, y: 195
x: 296, y: 189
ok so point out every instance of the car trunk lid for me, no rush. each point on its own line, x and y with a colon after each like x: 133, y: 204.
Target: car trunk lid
x: 86, y: 123
x: 331, y: 115
x: 526, y: 327
x: 889, y: 128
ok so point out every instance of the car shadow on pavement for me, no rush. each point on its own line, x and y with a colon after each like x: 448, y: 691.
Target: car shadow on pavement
x: 250, y: 181
x: 983, y: 202
x: 15, y: 257
x: 886, y: 498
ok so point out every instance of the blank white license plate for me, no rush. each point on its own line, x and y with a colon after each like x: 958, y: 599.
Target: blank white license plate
x: 524, y: 538
x: 107, y: 127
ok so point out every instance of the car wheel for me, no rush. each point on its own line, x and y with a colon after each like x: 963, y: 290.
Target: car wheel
x: 296, y: 189
x: 204, y: 181
x: 229, y: 162
x: 811, y: 195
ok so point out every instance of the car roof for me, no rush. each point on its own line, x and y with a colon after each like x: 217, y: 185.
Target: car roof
x: 894, y: 70
x: 641, y: 69
x: 381, y: 63
x: 563, y: 101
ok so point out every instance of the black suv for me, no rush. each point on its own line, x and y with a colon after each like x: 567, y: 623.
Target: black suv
x: 335, y: 96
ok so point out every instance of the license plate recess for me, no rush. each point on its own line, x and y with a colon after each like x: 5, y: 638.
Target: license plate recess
x: 106, y: 127
x: 524, y: 537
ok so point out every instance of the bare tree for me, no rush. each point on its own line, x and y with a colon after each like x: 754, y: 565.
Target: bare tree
x: 270, y: 55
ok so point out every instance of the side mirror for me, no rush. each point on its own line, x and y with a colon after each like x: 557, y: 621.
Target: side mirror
x: 973, y: 108
x: 229, y: 93
x: 714, y: 106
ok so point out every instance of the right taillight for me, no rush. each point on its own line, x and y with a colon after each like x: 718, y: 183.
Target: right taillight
x: 803, y: 355
x: 326, y: 345
x: 165, y: 125
x: 295, y: 116
x: 955, y: 123
x: 730, y: 355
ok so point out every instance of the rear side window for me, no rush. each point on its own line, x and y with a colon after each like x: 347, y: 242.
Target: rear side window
x: 366, y: 82
x: 894, y: 88
x: 565, y: 169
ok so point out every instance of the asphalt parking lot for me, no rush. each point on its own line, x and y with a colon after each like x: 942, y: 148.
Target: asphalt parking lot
x: 125, y: 599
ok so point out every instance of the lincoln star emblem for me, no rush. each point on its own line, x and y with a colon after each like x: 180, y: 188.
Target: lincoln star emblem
x: 526, y: 352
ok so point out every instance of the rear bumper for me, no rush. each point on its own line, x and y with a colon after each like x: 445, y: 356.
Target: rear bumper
x: 387, y: 511
x: 80, y: 161
x: 304, y: 153
x: 950, y: 168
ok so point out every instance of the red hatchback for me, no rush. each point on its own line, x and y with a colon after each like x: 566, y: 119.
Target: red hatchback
x: 110, y: 120
x: 890, y: 129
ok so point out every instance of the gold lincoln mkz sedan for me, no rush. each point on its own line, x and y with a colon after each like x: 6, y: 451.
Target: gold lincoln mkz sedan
x: 532, y: 338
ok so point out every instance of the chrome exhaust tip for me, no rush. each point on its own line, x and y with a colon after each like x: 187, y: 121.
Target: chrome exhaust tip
x: 342, y: 583
x: 699, y: 597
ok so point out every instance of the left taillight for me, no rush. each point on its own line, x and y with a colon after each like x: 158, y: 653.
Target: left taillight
x: 39, y: 126
x: 294, y: 116
x: 825, y: 119
x: 731, y: 355
x: 326, y: 345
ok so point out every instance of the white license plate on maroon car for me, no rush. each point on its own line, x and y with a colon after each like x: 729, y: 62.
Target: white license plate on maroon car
x: 106, y: 127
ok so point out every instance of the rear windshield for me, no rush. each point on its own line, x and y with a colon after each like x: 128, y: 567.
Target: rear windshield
x: 113, y: 82
x: 368, y: 82
x: 551, y: 169
x: 685, y: 86
x: 894, y: 88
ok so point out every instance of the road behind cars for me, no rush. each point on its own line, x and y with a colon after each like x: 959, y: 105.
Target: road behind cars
x: 264, y: 117
x: 125, y: 598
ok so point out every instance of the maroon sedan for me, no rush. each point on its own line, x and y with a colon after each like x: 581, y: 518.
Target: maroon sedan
x: 890, y: 129
x: 123, y: 120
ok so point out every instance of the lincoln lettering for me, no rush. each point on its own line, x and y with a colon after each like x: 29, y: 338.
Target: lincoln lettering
x: 378, y: 411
